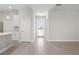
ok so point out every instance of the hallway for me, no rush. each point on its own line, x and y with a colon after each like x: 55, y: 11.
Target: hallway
x: 43, y: 47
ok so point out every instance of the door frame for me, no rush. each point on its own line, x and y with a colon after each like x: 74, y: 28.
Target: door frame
x: 35, y: 33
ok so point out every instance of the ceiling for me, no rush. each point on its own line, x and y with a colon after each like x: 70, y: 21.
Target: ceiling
x: 14, y: 6
x: 67, y: 7
x: 36, y: 7
x: 41, y: 8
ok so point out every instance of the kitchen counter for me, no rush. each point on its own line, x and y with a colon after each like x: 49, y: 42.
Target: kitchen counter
x: 5, y: 33
x: 5, y: 41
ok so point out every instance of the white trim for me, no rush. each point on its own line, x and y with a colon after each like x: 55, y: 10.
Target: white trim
x: 6, y: 48
x: 63, y: 40
x: 32, y: 40
x: 25, y: 41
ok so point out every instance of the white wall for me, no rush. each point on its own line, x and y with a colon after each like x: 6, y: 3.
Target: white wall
x: 1, y: 20
x: 63, y: 23
x: 8, y: 24
x: 26, y: 18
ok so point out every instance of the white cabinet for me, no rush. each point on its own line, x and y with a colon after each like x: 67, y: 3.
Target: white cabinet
x: 5, y: 42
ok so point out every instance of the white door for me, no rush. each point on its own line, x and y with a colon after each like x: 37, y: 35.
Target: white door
x: 26, y: 31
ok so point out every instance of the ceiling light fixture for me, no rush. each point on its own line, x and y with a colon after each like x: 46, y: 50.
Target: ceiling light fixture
x: 10, y: 7
x: 7, y: 17
x: 40, y: 14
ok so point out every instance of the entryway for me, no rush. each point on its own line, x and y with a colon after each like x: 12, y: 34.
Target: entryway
x: 40, y: 32
x: 40, y: 26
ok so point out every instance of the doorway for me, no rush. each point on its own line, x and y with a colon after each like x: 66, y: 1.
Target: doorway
x: 40, y: 26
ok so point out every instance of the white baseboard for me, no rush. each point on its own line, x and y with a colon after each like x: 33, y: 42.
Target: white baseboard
x: 25, y: 41
x: 63, y: 40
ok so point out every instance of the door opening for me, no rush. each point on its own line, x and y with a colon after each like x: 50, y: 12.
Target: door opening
x: 40, y: 26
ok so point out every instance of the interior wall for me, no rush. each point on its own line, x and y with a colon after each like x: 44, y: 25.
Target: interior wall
x: 1, y: 19
x: 26, y: 18
x: 77, y: 30
x: 63, y: 24
x: 1, y: 25
x: 8, y: 24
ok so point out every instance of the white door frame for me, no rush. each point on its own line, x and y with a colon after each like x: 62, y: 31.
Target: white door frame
x: 35, y: 26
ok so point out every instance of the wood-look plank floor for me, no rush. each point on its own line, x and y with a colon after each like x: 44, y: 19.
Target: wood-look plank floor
x: 43, y: 47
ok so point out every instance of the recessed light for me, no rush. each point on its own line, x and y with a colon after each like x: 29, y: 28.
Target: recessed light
x: 40, y: 14
x: 7, y: 17
x: 10, y: 7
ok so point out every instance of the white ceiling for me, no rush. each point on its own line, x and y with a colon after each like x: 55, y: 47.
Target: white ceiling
x: 67, y: 7
x: 40, y: 8
x: 37, y: 8
x: 14, y: 6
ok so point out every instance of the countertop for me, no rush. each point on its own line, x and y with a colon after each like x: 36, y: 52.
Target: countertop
x: 5, y: 33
